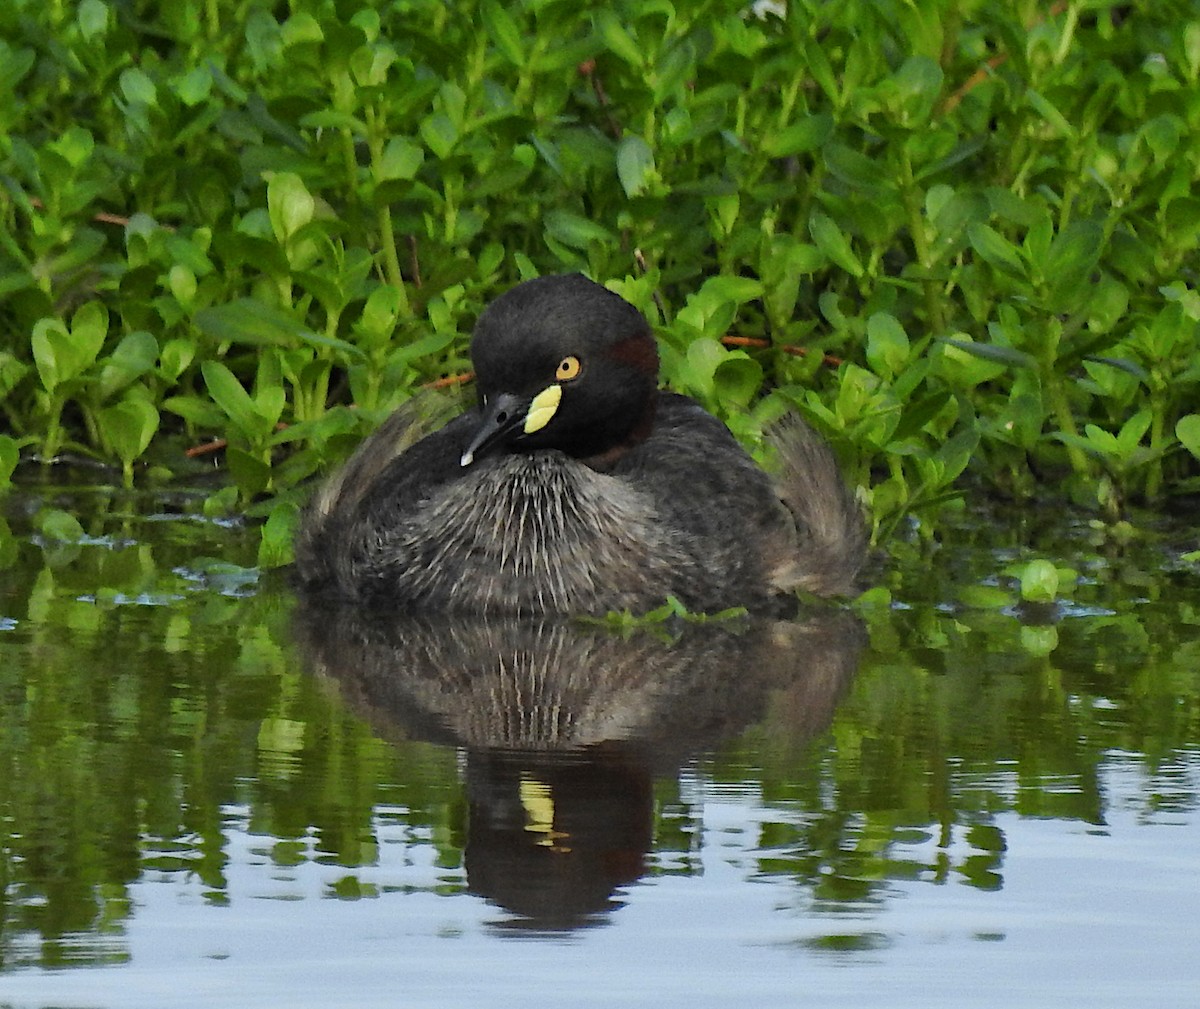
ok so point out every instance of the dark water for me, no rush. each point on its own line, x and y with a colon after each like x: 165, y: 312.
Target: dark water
x: 212, y: 796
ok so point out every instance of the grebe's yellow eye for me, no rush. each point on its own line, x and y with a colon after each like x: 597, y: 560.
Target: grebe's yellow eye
x: 568, y: 368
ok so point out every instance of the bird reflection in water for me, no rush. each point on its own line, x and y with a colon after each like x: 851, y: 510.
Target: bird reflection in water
x: 564, y: 727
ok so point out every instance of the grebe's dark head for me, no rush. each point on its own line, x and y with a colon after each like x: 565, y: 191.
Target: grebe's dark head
x: 562, y: 363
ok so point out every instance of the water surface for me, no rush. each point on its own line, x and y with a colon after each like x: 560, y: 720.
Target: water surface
x: 213, y: 795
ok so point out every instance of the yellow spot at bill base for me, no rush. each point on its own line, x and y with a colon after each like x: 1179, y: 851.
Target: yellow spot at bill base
x: 538, y: 803
x: 542, y: 408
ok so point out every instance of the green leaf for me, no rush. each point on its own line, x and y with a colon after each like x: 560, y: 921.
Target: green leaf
x: 278, y: 534
x: 92, y: 18
x: 855, y: 169
x: 956, y: 453
x: 175, y: 357
x: 887, y: 345
x: 134, y: 356
x: 830, y: 240
x: 1100, y: 441
x: 89, y: 327
x: 370, y: 63
x: 193, y: 87
x: 1187, y: 430
x: 917, y: 415
x: 137, y: 87
x: 1167, y: 332
x: 616, y: 39
x: 300, y: 28
x: 61, y: 356
x: 75, y: 144
x: 128, y: 427
x: 917, y: 86
x: 379, y: 316
x: 635, y: 164
x: 229, y: 395
x: 996, y: 250
x: 1072, y: 258
x: 401, y: 159
x: 783, y: 263
x: 197, y: 411
x: 1133, y: 431
x: 270, y: 397
x: 52, y: 352
x: 1048, y: 112
x: 576, y: 231
x: 413, y: 350
x: 703, y: 358
x: 324, y: 119
x: 222, y: 502
x: 814, y: 58
x: 800, y: 137
x: 10, y: 455
x: 86, y: 243
x: 502, y: 30
x: 737, y: 379
x: 1108, y: 302
x: 1191, y: 48
x: 290, y: 205
x: 182, y: 282
x: 1039, y: 582
x: 252, y: 475
x: 730, y: 288
x: 1036, y: 246
x: 962, y: 151
x: 249, y: 321
x: 439, y: 133
x: 991, y: 352
x: 16, y: 281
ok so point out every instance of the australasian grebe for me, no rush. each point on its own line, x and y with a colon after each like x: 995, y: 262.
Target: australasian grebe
x: 575, y: 486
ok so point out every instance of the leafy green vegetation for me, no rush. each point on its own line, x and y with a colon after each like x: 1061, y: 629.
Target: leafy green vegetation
x: 671, y: 613
x: 958, y: 237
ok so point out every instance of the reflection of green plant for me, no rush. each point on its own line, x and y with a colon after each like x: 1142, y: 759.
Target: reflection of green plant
x: 1035, y: 589
x: 135, y: 736
x: 910, y: 785
x: 140, y: 726
x: 10, y: 455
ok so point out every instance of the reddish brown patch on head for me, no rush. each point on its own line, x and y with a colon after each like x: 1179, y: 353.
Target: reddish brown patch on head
x: 638, y: 354
x: 637, y: 351
x: 641, y: 431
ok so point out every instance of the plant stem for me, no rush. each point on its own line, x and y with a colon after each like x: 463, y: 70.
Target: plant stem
x: 1157, y: 428
x: 1061, y: 408
x: 348, y: 158
x: 53, y: 440
x: 376, y: 124
x: 911, y: 195
x: 1068, y: 34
